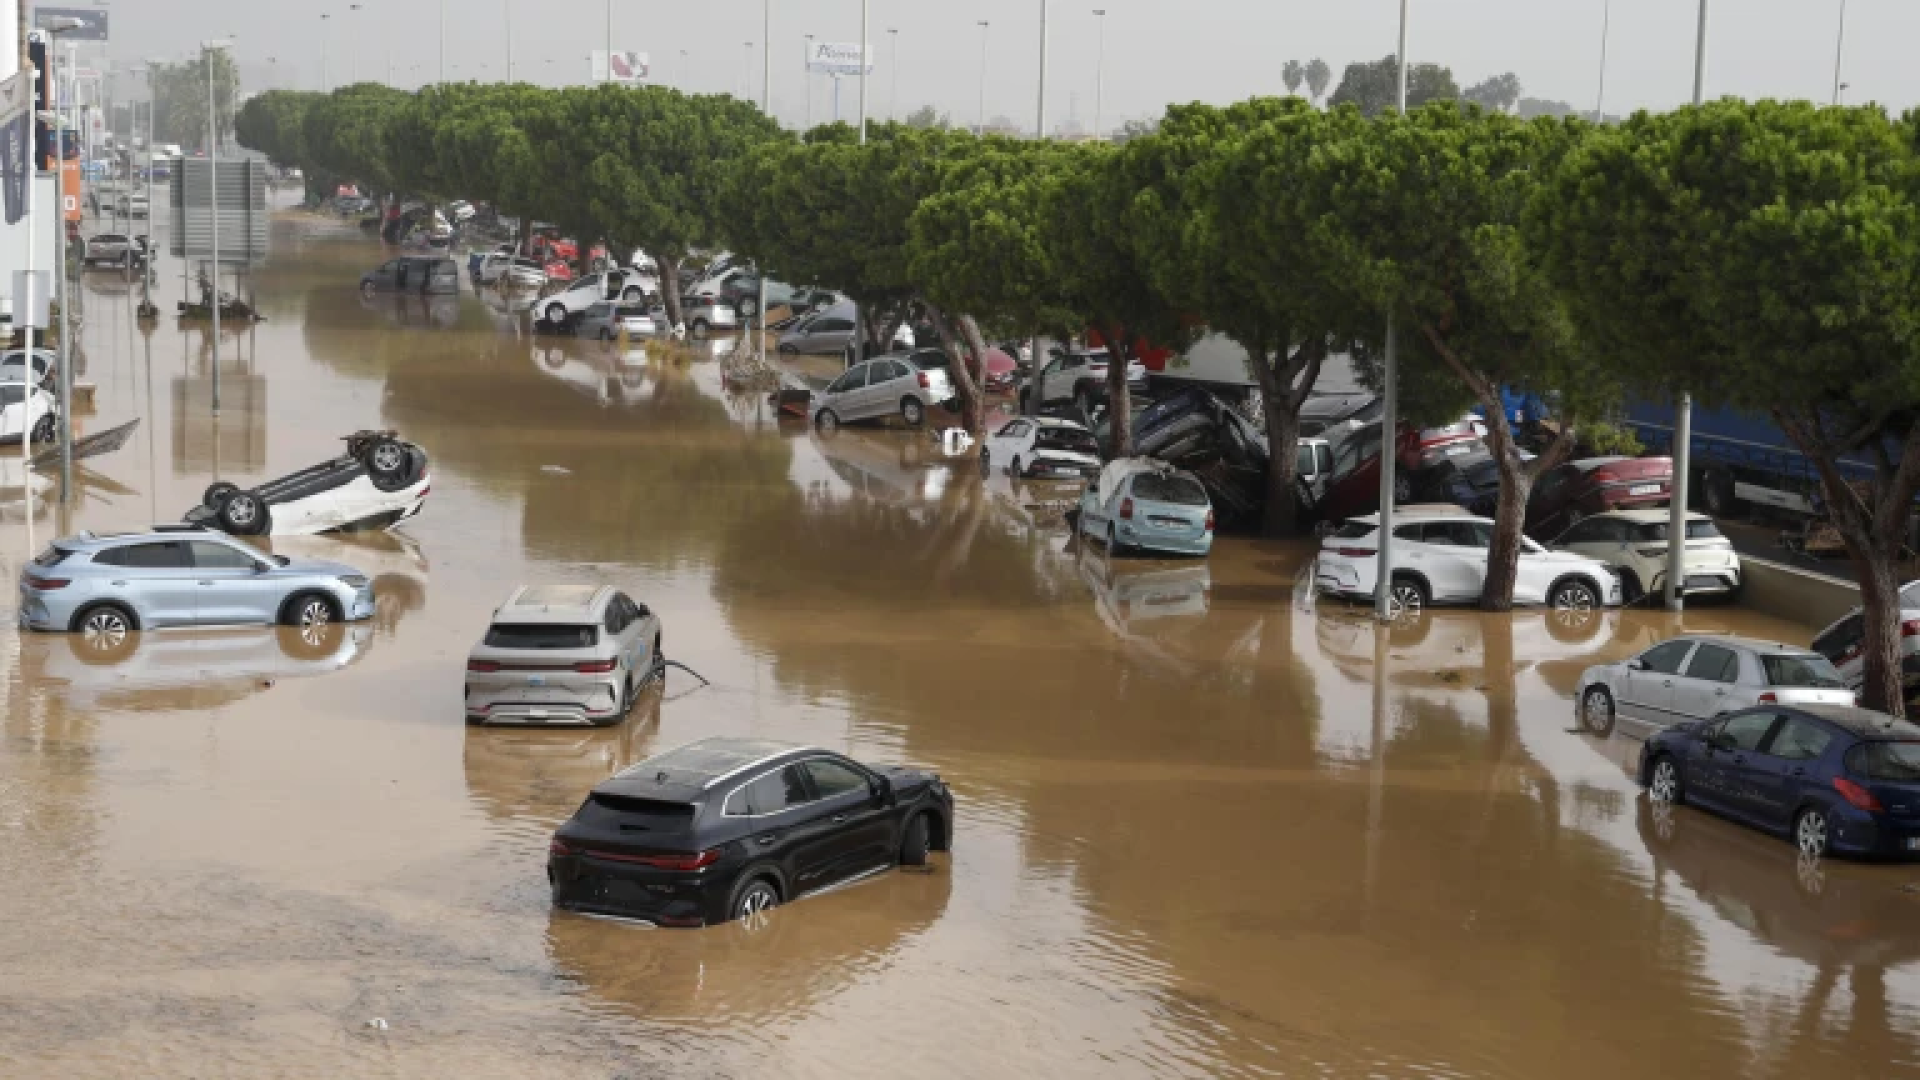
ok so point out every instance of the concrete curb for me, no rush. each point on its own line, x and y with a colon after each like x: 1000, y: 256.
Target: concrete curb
x: 1797, y: 595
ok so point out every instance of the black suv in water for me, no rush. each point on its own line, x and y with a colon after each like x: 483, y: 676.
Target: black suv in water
x: 724, y: 829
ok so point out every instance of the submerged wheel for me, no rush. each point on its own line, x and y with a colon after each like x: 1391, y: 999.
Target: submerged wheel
x: 827, y: 422
x: 1407, y: 599
x: 1573, y: 597
x: 1665, y: 785
x: 1596, y: 710
x: 557, y: 314
x: 311, y: 612
x: 1810, y: 832
x: 754, y: 901
x: 699, y: 330
x: 45, y: 430
x: 914, y: 842
x: 104, y: 633
x: 913, y: 412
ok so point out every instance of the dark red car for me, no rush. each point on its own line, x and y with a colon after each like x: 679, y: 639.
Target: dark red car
x: 1580, y: 489
x: 1355, y: 487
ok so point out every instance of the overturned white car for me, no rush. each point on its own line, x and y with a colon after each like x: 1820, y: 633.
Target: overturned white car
x: 379, y: 482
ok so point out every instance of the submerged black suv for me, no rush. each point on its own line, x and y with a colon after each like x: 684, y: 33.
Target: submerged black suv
x: 724, y: 829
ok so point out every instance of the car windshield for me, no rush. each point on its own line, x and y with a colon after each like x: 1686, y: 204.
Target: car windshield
x: 541, y: 636
x: 1801, y: 669
x: 1895, y: 762
x: 1656, y: 531
x: 1065, y: 438
x: 1178, y: 490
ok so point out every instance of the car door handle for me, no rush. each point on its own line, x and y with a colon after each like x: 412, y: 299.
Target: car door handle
x: 768, y: 839
x: 839, y: 819
x: 1667, y: 683
x: 1798, y: 772
x: 1739, y: 759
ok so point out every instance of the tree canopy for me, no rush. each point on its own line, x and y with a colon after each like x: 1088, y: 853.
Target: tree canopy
x: 1372, y: 88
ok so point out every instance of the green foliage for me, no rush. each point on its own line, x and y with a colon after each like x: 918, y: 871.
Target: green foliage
x: 274, y: 123
x: 1498, y: 94
x: 926, y: 116
x: 1319, y: 75
x: 345, y: 133
x: 1293, y: 73
x: 180, y: 93
x: 1372, y: 88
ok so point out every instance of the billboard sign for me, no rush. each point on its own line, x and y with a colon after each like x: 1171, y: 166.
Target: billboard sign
x: 835, y: 58
x: 42, y: 98
x: 628, y: 67
x: 16, y: 146
x: 70, y: 189
x: 93, y: 22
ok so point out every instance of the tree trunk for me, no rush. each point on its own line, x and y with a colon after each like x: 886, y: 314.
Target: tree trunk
x: 1516, y: 487
x: 1882, y: 686
x: 963, y: 332
x: 1119, y: 397
x: 670, y: 289
x: 1280, y: 401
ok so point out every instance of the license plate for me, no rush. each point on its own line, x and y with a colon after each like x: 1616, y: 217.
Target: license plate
x: 536, y: 680
x: 1459, y: 448
x: 536, y: 714
x: 1644, y: 489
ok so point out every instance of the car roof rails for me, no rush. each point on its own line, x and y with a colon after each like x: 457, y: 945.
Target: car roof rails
x: 179, y: 526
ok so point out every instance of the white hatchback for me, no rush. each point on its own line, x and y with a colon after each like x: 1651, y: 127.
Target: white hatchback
x: 1440, y: 557
x: 1635, y: 543
x: 1700, y: 676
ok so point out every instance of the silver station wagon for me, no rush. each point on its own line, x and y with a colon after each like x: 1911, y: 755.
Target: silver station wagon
x: 563, y: 654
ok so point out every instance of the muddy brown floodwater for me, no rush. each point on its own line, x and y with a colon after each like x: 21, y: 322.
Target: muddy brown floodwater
x: 1192, y: 841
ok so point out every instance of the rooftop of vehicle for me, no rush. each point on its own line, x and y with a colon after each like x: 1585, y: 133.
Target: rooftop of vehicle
x: 1863, y: 722
x: 550, y: 602
x: 1421, y: 512
x: 686, y: 770
x: 1771, y: 648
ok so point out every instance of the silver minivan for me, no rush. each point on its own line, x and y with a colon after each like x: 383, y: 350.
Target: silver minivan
x: 563, y: 654
x: 881, y: 387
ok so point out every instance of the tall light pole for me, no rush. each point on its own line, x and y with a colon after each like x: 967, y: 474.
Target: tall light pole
x: 766, y: 108
x: 1099, y: 71
x: 1683, y: 409
x: 55, y: 28
x: 1606, y: 25
x: 507, y: 7
x: 1839, y: 51
x: 1383, y: 603
x: 213, y: 211
x: 353, y: 26
x: 893, y: 60
x: 1040, y: 121
x: 806, y: 72
x: 864, y: 65
x: 609, y: 41
x: 443, y: 41
x: 981, y: 127
x: 324, y: 17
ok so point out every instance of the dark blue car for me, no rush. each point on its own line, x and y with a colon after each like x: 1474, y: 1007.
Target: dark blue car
x: 1831, y: 777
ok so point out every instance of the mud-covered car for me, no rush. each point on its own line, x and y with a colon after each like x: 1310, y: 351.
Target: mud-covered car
x: 379, y: 482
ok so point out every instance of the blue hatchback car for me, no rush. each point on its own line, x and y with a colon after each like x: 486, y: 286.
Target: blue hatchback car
x: 1831, y: 777
x: 1147, y: 505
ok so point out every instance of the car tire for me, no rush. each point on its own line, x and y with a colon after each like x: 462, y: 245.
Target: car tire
x: 657, y: 667
x: 217, y: 495
x: 557, y: 314
x: 1716, y: 490
x: 698, y: 330
x: 1116, y: 549
x: 1596, y: 710
x: 915, y: 840
x: 45, y: 430
x: 632, y: 296
x: 1664, y: 782
x: 1409, y: 596
x: 244, y: 514
x: 309, y: 610
x: 827, y: 423
x: 749, y: 306
x: 1573, y: 596
x: 388, y: 464
x: 1083, y: 400
x: 914, y: 413
x: 752, y: 900
x: 1811, y: 831
x: 787, y: 348
x: 1402, y: 488
x: 1631, y: 591
x: 1014, y: 469
x: 366, y: 289
x: 103, y: 633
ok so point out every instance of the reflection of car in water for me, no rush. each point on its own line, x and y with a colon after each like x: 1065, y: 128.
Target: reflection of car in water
x: 1129, y: 594
x: 886, y: 467
x: 396, y: 564
x: 184, y: 670
x: 538, y: 774
x: 1818, y: 912
x: 1451, y: 639
x: 605, y: 377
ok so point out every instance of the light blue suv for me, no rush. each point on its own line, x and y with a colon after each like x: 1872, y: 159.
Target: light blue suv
x: 110, y: 585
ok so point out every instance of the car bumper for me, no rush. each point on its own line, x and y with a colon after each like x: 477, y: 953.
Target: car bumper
x: 1881, y: 836
x: 1702, y: 581
x: 592, y: 883
x: 1168, y: 541
x: 569, y: 705
x: 1048, y: 468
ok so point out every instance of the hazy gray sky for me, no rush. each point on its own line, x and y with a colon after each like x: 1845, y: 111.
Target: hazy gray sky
x: 1156, y: 50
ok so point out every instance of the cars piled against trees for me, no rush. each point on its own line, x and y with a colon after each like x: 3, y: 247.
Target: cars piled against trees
x: 1141, y: 504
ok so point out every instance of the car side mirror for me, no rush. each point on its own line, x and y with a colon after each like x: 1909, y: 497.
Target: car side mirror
x: 882, y: 790
x: 261, y: 568
x: 1636, y: 664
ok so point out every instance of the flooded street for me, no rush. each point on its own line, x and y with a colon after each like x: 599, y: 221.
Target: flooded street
x: 1205, y: 828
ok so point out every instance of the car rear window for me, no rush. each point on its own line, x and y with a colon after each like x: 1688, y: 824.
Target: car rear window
x: 1893, y: 762
x: 1069, y: 439
x: 633, y: 814
x: 541, y: 636
x: 1354, y: 530
x: 1656, y: 531
x: 632, y: 312
x: 1800, y: 669
x: 1169, y: 489
x: 53, y: 556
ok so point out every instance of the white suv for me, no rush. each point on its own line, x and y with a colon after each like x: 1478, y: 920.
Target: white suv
x: 1440, y: 557
x: 1635, y: 542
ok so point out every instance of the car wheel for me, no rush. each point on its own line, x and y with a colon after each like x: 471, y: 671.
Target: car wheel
x: 1664, y: 784
x: 605, y: 334
x: 657, y: 667
x: 217, y: 495
x: 699, y: 330
x: 1573, y: 598
x: 827, y: 422
x: 1407, y: 599
x: 557, y: 314
x: 631, y: 296
x: 45, y: 430
x: 913, y: 412
x: 914, y: 841
x: 749, y: 306
x: 243, y: 514
x: 1810, y: 832
x: 1402, y: 488
x: 787, y: 348
x: 1596, y: 710
x: 310, y: 612
x: 366, y: 288
x: 1717, y: 491
x: 387, y: 462
x: 1631, y: 590
x: 103, y: 634
x: 755, y: 902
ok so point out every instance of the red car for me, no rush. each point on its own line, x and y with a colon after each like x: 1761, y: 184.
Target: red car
x: 559, y: 270
x: 1355, y: 487
x: 1580, y: 489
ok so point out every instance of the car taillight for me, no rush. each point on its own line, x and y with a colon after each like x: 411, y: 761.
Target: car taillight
x: 1860, y: 797
x: 1603, y: 477
x: 48, y: 584
x: 680, y: 863
x: 1209, y: 520
x: 593, y: 667
x: 1769, y: 698
x: 482, y: 665
x: 924, y: 381
x: 1126, y: 509
x: 1910, y: 628
x: 1356, y: 553
x: 555, y: 847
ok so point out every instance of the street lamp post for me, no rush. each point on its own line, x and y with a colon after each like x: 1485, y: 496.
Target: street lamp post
x: 323, y: 51
x: 609, y: 77
x: 1839, y: 52
x: 893, y: 61
x: 806, y: 72
x: 353, y: 71
x: 213, y: 212
x: 1606, y: 25
x: 766, y: 107
x: 506, y: 6
x: 1040, y: 122
x: 980, y: 128
x: 1383, y: 603
x: 1683, y: 410
x: 61, y: 290
x: 443, y: 40
x: 864, y: 65
x: 1099, y: 71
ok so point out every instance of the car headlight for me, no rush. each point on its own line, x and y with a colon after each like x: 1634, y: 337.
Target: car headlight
x: 353, y: 581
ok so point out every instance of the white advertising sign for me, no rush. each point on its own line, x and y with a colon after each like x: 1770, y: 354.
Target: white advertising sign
x: 835, y: 57
x: 628, y: 67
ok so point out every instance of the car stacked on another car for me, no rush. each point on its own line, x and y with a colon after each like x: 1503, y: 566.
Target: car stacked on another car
x: 1042, y: 447
x: 1440, y: 557
x: 726, y: 829
x: 1844, y: 642
x: 1833, y: 778
x: 563, y: 654
x: 704, y: 315
x: 1701, y: 676
x: 1078, y: 377
x: 109, y: 585
x: 1144, y: 504
x: 1635, y: 543
x: 1589, y: 486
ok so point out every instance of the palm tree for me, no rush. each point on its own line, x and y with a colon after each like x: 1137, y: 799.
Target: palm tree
x: 1293, y: 74
x: 1318, y: 76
